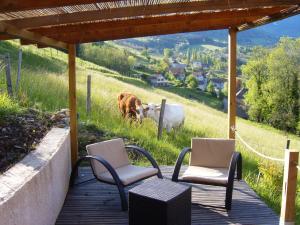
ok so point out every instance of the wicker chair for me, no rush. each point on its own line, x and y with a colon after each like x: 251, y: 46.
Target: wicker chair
x: 212, y: 162
x: 110, y: 164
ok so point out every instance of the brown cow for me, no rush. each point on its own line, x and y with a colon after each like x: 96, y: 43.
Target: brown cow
x: 130, y: 106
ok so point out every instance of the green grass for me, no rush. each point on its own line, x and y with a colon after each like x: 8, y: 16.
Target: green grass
x: 45, y: 86
x: 211, y: 47
x: 8, y: 106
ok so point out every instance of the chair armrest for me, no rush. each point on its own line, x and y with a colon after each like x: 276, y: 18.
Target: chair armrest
x: 235, y: 164
x: 239, y: 167
x: 100, y: 160
x: 147, y: 155
x: 179, y: 163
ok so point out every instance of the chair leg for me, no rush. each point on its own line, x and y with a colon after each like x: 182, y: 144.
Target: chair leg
x: 159, y: 175
x: 123, y: 198
x: 228, y: 199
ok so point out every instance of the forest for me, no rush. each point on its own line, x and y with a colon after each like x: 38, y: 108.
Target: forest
x: 271, y: 77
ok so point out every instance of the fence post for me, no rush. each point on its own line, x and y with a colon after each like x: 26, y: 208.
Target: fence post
x: 19, y: 70
x: 88, y: 95
x: 161, y: 117
x: 288, y: 203
x: 8, y: 76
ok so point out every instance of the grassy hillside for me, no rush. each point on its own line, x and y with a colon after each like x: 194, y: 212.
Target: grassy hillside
x: 44, y: 85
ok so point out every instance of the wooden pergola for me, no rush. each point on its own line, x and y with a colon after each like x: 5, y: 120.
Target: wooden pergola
x: 64, y: 23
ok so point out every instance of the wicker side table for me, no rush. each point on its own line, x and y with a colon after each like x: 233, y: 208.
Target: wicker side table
x: 160, y: 202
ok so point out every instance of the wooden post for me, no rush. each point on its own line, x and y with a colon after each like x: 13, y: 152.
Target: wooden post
x: 72, y: 103
x: 19, y: 70
x: 232, y: 58
x: 288, y: 204
x: 161, y: 117
x: 88, y: 95
x: 8, y: 76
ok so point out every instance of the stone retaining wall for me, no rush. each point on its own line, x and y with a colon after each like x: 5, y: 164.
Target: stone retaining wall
x: 33, y: 191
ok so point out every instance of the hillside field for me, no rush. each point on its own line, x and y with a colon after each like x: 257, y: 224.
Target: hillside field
x: 44, y: 85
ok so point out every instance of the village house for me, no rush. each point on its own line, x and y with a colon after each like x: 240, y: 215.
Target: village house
x: 197, y: 65
x: 202, y: 80
x: 218, y: 83
x: 158, y: 80
x: 241, y: 110
x: 178, y: 70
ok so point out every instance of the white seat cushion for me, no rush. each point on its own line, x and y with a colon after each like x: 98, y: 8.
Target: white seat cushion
x: 129, y: 174
x: 205, y: 175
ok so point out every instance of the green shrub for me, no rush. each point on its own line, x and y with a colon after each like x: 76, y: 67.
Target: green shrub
x: 272, y: 175
x: 7, y: 106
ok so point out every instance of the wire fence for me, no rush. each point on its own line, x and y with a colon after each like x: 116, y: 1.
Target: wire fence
x: 2, y: 62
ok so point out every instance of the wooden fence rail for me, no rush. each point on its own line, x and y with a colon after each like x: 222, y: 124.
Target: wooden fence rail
x: 161, y: 117
x: 289, y: 188
x: 8, y: 76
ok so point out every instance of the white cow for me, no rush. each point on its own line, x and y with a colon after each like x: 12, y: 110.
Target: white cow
x: 173, y: 115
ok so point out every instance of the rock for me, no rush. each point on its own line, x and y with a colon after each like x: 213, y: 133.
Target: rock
x: 92, y: 138
x: 61, y: 125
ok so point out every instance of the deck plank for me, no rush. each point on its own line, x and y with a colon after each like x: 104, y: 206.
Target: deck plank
x: 95, y: 203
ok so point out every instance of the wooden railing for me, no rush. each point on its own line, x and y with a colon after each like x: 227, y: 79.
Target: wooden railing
x: 289, y: 187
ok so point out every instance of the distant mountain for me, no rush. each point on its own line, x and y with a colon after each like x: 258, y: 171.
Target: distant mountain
x: 264, y: 35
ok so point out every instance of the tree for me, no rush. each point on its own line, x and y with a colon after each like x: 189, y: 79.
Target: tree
x: 162, y: 66
x: 271, y: 77
x: 210, y: 88
x: 106, y: 55
x: 255, y: 75
x: 225, y: 89
x: 131, y: 61
x: 169, y: 76
x: 282, y: 85
x: 188, y: 57
x: 168, y: 53
x: 191, y: 82
x: 145, y: 53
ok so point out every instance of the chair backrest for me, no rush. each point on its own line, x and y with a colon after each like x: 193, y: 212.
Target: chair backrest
x: 212, y: 152
x: 113, y: 151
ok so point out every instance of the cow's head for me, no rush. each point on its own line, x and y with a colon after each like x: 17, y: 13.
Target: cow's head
x: 151, y: 110
x: 139, y: 110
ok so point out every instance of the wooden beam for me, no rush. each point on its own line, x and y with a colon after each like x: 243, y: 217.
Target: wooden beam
x: 232, y: 62
x: 26, y: 42
x: 292, y: 11
x: 127, y: 12
x: 4, y: 37
x: 73, y: 103
x: 16, y: 5
x: 288, y: 203
x: 187, y: 18
x: 189, y: 21
x: 114, y: 33
x: 31, y: 36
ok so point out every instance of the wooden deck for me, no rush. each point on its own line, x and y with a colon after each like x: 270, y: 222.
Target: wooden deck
x: 95, y: 203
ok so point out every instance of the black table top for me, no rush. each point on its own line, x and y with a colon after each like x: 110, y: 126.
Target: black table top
x: 160, y: 189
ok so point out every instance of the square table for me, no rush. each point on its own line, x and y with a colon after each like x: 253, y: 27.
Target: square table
x: 160, y: 202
